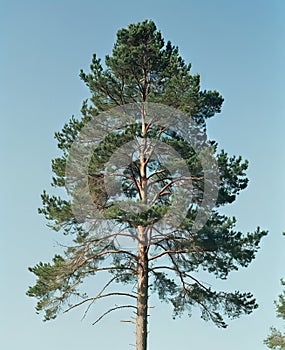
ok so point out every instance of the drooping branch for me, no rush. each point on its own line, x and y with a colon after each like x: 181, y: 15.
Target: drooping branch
x: 181, y: 274
x: 82, y: 261
x: 108, y: 237
x: 104, y: 288
x: 113, y: 309
x: 114, y: 251
x: 109, y: 268
x: 112, y: 280
x: 100, y: 297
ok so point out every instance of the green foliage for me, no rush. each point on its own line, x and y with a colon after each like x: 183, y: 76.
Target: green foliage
x: 276, y: 339
x: 52, y: 281
x: 142, y: 68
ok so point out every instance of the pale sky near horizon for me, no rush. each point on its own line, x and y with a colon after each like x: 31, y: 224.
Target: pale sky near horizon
x: 238, y: 49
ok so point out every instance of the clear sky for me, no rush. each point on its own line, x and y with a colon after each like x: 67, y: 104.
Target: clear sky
x: 238, y: 48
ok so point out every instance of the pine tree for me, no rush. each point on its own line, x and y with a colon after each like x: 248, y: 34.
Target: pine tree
x: 276, y: 339
x: 147, y: 78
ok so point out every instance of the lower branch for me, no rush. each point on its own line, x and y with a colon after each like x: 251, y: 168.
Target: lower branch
x: 100, y: 297
x: 113, y: 309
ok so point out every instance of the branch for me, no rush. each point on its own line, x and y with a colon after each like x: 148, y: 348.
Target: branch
x: 113, y: 235
x: 99, y: 297
x: 120, y: 174
x: 155, y: 173
x: 108, y: 93
x: 137, y: 184
x: 172, y: 182
x: 149, y: 155
x: 82, y: 261
x: 169, y: 252
x: 109, y: 268
x: 113, y: 279
x: 113, y: 309
x: 181, y: 276
x: 180, y: 272
x: 114, y: 251
x: 103, y: 290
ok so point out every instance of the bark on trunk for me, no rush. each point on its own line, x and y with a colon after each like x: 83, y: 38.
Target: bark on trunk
x: 142, y: 300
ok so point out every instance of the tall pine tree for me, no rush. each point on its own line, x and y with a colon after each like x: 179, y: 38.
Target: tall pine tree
x: 142, y: 73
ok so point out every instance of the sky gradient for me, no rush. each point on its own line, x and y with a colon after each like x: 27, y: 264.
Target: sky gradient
x: 238, y: 49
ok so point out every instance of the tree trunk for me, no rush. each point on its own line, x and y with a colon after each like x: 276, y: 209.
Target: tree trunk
x: 142, y: 300
x: 142, y: 273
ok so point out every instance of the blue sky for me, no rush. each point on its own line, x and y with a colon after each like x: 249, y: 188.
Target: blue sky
x: 237, y: 47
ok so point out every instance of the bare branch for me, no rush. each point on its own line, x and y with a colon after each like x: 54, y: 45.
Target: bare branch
x: 113, y: 309
x: 128, y: 321
x: 113, y: 235
x: 115, y: 251
x: 113, y: 279
x: 103, y: 290
x: 155, y: 173
x: 99, y: 297
x: 81, y: 261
